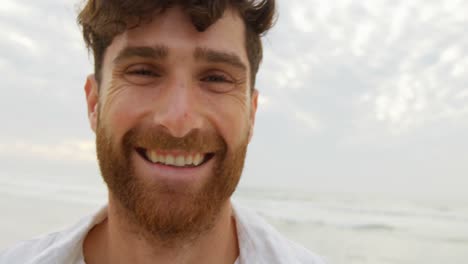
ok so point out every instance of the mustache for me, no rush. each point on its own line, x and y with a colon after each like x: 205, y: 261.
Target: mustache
x: 159, y: 138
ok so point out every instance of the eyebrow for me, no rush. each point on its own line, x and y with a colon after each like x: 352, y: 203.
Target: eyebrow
x: 215, y: 56
x: 155, y: 53
x: 161, y: 52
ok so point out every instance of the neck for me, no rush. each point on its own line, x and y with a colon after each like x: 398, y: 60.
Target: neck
x: 115, y: 240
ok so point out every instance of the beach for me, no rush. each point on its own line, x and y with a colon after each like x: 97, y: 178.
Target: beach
x: 342, y: 228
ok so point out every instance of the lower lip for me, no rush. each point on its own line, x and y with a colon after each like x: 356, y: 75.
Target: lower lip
x: 172, y: 173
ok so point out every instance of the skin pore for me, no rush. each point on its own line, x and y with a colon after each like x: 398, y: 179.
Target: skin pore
x: 167, y: 87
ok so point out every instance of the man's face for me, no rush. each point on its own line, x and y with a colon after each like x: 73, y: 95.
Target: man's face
x: 173, y: 119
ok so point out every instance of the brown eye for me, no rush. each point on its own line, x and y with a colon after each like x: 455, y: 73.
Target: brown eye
x: 217, y: 82
x: 144, y: 72
x: 141, y: 74
x: 216, y: 78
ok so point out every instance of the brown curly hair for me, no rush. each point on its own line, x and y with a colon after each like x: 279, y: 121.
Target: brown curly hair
x: 102, y: 20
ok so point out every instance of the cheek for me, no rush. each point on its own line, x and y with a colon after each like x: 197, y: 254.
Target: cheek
x: 232, y: 120
x: 122, y: 110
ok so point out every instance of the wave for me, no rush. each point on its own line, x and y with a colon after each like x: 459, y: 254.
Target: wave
x: 374, y: 227
x: 327, y: 223
x: 308, y: 209
x: 82, y: 194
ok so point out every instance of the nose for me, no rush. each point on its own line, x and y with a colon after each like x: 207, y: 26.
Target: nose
x: 177, y: 111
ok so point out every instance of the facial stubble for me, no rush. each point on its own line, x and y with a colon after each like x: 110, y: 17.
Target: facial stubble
x: 161, y: 213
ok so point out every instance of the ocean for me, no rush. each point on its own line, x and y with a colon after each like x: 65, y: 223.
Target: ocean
x: 364, y: 228
x: 342, y: 228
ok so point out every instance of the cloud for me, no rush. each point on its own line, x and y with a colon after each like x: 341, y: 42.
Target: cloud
x: 307, y: 120
x: 15, y: 8
x: 24, y: 41
x: 368, y: 75
x: 68, y: 150
x: 408, y: 59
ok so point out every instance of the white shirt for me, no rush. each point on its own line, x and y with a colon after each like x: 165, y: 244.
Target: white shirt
x: 259, y: 243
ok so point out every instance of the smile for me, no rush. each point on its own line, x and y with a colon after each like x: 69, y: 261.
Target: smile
x: 177, y: 159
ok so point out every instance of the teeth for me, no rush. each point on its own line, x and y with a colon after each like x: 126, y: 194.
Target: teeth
x: 171, y: 160
x: 152, y: 156
x: 189, y: 160
x: 197, y: 160
x: 180, y: 161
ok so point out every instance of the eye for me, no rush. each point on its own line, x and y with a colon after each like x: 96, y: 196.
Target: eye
x: 142, y: 71
x: 217, y: 78
x: 142, y: 74
x: 217, y: 82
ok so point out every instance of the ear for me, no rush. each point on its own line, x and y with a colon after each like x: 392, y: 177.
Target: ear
x: 92, y: 100
x: 253, y: 112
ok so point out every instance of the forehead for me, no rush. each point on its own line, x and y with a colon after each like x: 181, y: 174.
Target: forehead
x: 175, y: 30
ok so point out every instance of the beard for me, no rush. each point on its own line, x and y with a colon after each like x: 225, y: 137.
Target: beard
x: 161, y: 212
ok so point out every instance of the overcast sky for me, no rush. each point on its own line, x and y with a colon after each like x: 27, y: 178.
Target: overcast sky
x: 356, y: 96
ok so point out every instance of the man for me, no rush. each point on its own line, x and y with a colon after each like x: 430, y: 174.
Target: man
x: 172, y: 103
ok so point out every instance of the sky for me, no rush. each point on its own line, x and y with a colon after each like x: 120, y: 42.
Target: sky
x: 356, y: 96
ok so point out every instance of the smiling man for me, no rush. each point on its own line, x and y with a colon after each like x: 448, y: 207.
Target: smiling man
x: 172, y: 102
